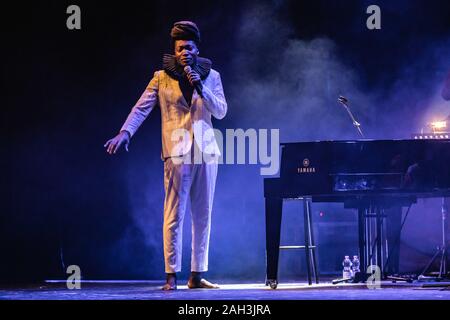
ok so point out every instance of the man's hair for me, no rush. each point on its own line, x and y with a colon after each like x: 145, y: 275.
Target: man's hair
x: 185, y: 30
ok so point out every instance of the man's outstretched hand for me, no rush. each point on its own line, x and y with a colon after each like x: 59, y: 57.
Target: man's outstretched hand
x: 113, y: 145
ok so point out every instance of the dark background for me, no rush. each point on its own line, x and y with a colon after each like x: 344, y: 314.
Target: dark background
x: 283, y: 64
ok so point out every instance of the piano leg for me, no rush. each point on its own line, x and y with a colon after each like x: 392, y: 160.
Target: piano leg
x: 393, y: 229
x: 379, y: 239
x: 274, y: 207
x: 362, y: 239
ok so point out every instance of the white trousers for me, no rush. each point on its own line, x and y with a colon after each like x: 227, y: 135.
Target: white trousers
x: 182, y: 182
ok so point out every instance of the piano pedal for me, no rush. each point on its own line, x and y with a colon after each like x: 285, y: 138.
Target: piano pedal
x: 343, y: 280
x: 395, y: 279
x: 359, y: 277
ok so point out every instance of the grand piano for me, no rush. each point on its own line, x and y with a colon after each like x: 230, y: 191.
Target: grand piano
x: 367, y: 175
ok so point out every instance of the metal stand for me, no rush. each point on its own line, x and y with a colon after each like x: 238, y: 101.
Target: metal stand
x: 273, y: 227
x: 441, y: 251
x: 310, y: 246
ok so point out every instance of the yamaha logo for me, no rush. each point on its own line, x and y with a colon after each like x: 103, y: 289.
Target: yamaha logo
x: 306, y: 168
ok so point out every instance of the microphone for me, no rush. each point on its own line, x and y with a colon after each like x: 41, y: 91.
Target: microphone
x: 197, y: 85
x: 344, y: 101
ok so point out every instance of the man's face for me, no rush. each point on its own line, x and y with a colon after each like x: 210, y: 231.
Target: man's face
x: 186, y: 52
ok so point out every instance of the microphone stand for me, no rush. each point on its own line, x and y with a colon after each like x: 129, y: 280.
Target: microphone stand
x: 357, y: 125
x: 441, y: 251
x: 359, y: 276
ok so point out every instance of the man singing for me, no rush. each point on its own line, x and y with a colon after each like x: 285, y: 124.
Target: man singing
x: 188, y: 92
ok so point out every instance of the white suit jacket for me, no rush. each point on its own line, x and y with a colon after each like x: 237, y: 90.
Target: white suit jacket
x: 176, y: 113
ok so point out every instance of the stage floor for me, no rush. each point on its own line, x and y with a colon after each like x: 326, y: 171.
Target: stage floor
x: 151, y: 290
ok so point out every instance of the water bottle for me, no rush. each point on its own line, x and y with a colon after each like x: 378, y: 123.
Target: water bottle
x: 347, y: 264
x: 355, y: 265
